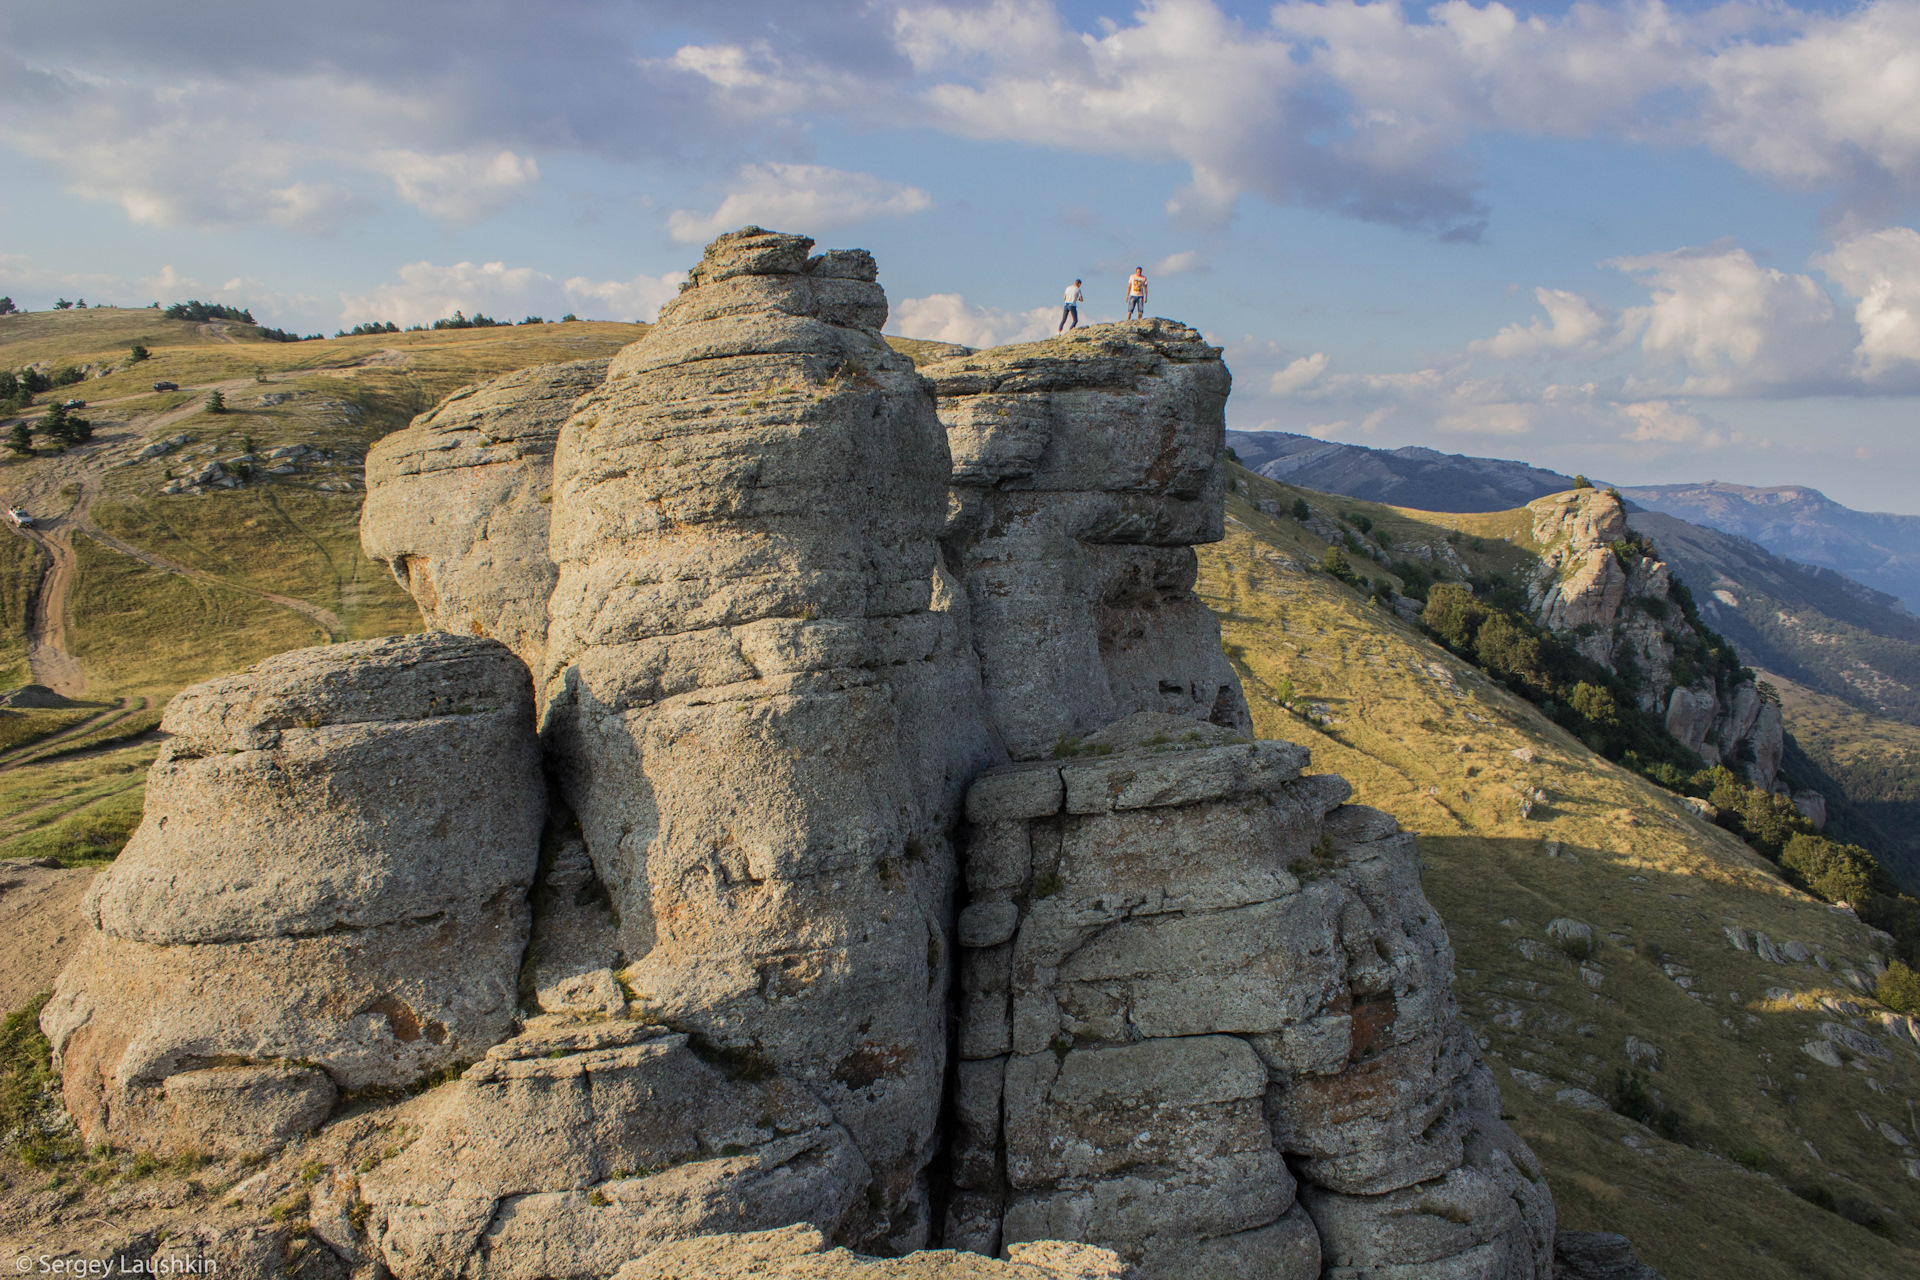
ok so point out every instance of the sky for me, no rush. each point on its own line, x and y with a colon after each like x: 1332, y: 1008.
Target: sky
x: 1651, y: 243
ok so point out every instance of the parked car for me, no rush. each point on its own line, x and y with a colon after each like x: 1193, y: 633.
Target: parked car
x: 74, y: 404
x: 166, y: 386
x: 20, y: 518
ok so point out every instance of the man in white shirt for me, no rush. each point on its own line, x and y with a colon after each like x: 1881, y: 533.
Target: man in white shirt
x: 1070, y: 314
x: 1137, y: 294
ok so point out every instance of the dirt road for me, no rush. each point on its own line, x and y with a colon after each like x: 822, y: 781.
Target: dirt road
x: 59, y: 494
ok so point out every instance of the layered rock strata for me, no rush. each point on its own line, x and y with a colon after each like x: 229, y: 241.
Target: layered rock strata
x: 573, y: 1147
x: 327, y: 891
x: 1618, y: 605
x: 1085, y: 469
x: 1191, y: 975
x: 760, y: 695
x: 458, y: 504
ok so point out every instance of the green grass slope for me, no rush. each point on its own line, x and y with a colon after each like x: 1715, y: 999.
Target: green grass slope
x: 1766, y: 1135
x: 71, y: 779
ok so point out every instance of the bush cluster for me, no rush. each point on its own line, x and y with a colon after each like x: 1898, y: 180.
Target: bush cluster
x: 200, y: 312
x: 475, y: 321
x: 1600, y: 708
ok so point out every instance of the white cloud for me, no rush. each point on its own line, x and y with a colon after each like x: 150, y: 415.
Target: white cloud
x: 425, y: 292
x: 1572, y: 323
x: 1882, y: 270
x: 947, y: 317
x: 458, y: 188
x: 1664, y: 422
x: 1725, y: 325
x: 1297, y: 375
x: 1175, y: 264
x: 808, y: 196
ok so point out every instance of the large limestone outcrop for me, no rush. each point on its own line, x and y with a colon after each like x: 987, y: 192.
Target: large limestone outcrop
x: 327, y: 891
x: 1602, y: 586
x: 1085, y: 469
x: 457, y: 504
x: 1192, y: 975
x: 760, y: 695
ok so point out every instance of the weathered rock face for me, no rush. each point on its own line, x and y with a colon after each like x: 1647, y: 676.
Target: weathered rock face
x: 1085, y: 469
x: 761, y: 698
x: 457, y: 504
x: 573, y: 1147
x: 327, y: 891
x: 1191, y: 975
x: 1618, y: 606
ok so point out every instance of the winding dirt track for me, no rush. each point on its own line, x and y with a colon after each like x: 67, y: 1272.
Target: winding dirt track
x: 60, y: 496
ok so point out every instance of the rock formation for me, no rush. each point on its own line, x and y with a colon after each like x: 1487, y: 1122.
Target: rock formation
x: 327, y: 892
x: 1085, y: 469
x: 869, y: 691
x: 1620, y: 605
x: 1191, y: 969
x: 457, y: 504
x: 760, y: 696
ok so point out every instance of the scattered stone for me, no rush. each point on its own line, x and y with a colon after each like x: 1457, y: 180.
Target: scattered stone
x: 1642, y: 1054
x: 1821, y: 1051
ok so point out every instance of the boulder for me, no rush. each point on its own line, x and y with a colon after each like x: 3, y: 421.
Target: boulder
x: 326, y: 892
x: 575, y: 1146
x: 1598, y: 1255
x: 1085, y: 469
x: 458, y: 504
x: 761, y: 698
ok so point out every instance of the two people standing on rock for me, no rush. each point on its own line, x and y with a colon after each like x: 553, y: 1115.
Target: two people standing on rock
x: 1136, y: 301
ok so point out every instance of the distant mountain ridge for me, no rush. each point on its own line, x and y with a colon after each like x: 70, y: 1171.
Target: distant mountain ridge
x: 1425, y: 479
x: 1877, y: 548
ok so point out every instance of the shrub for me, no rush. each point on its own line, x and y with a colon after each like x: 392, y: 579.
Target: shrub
x: 136, y: 353
x: 1454, y: 615
x: 1415, y: 579
x: 1335, y: 562
x: 1581, y: 482
x: 1899, y: 989
x: 216, y: 402
x: 1831, y: 871
x: 1632, y: 1099
x: 6, y: 307
x: 1300, y: 510
x: 20, y: 438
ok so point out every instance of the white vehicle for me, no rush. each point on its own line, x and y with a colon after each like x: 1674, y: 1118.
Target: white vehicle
x: 20, y: 518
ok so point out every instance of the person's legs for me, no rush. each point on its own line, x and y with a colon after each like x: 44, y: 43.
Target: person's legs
x: 1066, y: 313
x: 1136, y: 306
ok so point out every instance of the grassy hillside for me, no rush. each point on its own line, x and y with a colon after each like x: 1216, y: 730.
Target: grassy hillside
x: 1451, y: 754
x: 229, y: 577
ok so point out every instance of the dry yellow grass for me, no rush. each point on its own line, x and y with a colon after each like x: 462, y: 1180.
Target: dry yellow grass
x: 1426, y: 737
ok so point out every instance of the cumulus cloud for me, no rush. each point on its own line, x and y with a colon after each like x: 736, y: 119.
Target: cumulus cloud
x: 1298, y: 374
x: 458, y: 188
x: 424, y: 292
x: 1882, y: 270
x: 1725, y: 325
x: 799, y: 195
x: 1572, y: 322
x: 948, y: 317
x: 36, y: 287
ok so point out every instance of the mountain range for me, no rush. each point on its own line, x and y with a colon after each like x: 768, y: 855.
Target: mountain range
x: 1877, y: 551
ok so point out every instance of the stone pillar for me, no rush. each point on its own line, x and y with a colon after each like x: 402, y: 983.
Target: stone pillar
x: 327, y: 891
x: 1192, y: 975
x: 1085, y: 469
x: 761, y: 699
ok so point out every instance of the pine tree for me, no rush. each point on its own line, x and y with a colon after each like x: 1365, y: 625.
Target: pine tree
x: 216, y: 402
